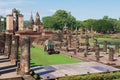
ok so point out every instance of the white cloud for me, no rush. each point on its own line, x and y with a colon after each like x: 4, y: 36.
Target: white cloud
x: 5, y: 3
x: 4, y: 12
x: 52, y: 10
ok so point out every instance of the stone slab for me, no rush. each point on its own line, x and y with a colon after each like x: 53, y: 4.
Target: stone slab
x: 56, y: 71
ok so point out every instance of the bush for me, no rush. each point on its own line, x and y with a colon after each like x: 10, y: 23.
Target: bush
x: 99, y: 76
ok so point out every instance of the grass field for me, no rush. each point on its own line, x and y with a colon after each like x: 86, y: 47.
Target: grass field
x: 39, y: 57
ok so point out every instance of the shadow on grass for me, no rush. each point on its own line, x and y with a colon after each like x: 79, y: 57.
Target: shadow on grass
x: 33, y: 65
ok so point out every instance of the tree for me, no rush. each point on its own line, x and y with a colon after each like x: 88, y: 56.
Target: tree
x: 49, y: 21
x: 26, y: 23
x: 79, y: 24
x: 59, y: 19
x: 2, y: 23
x: 89, y: 23
x: 103, y: 26
x: 105, y: 17
x: 117, y: 26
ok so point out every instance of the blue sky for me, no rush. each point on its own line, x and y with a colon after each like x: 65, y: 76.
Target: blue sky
x: 80, y: 9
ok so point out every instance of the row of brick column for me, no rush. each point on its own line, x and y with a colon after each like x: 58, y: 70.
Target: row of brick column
x: 96, y: 48
x: 12, y: 45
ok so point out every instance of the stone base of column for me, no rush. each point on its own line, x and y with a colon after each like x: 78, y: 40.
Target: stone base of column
x: 24, y: 70
x: 13, y: 60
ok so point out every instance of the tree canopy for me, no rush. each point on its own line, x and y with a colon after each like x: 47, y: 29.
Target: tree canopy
x: 62, y: 17
x: 59, y: 19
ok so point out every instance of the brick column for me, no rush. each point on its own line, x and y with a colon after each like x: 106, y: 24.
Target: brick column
x: 14, y: 49
x: 70, y: 40
x: 111, y: 54
x: 8, y: 42
x: 25, y: 55
x: 117, y: 48
x: 95, y: 44
x: 81, y: 33
x: 77, y: 44
x: 2, y: 42
x: 87, y: 40
x: 97, y: 52
x: 105, y: 46
x: 86, y: 51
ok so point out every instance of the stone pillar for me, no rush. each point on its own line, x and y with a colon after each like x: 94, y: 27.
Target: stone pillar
x: 77, y: 44
x: 66, y: 45
x: 92, y: 33
x: 8, y: 42
x: 95, y: 44
x: 81, y: 33
x: 2, y: 42
x: 111, y: 54
x: 70, y: 40
x: 86, y: 51
x: 14, y: 49
x: 117, y: 48
x: 87, y: 40
x: 105, y: 46
x: 25, y: 55
x: 97, y: 52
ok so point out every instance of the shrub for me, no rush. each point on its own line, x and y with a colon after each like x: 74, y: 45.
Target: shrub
x: 98, y: 76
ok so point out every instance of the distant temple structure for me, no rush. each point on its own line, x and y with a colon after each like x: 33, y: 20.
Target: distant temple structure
x: 15, y: 22
x: 17, y: 19
x: 36, y: 25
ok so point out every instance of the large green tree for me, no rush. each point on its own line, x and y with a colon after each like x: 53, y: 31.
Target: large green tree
x: 59, y: 19
x: 49, y: 21
x: 89, y: 23
x: 62, y: 17
x: 103, y: 26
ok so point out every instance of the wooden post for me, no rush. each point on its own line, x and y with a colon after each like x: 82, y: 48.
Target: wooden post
x: 25, y: 56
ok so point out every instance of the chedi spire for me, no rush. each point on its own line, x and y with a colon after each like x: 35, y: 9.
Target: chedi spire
x: 31, y: 20
x: 37, y: 19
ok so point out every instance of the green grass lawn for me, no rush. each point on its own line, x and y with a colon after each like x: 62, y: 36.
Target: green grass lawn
x: 39, y: 57
x: 109, y: 39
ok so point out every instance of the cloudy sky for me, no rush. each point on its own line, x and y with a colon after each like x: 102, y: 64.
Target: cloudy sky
x: 81, y: 9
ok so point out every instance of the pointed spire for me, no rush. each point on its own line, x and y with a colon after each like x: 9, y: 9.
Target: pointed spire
x: 37, y: 19
x: 31, y: 20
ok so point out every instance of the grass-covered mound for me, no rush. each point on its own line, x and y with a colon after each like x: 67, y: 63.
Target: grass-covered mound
x: 39, y: 57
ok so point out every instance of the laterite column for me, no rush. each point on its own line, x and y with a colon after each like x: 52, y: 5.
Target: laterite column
x: 97, y: 52
x: 14, y: 49
x: 111, y: 54
x: 25, y: 55
x: 105, y: 46
x: 8, y: 42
